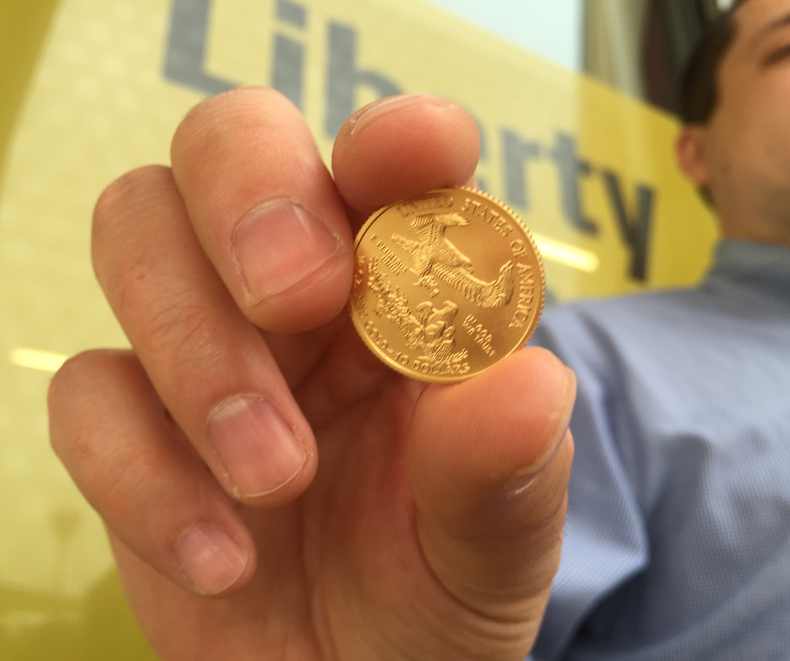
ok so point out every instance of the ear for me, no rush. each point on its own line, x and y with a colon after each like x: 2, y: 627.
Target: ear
x: 691, y: 148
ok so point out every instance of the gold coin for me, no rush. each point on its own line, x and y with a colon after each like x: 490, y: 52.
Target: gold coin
x: 445, y: 285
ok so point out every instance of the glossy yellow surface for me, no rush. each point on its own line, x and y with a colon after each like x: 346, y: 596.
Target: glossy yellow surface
x: 84, y: 98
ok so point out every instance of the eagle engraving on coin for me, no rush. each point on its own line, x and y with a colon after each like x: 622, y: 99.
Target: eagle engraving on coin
x: 435, y: 257
x: 427, y: 328
x: 445, y: 285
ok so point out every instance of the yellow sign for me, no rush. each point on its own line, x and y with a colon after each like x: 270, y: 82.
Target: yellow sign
x: 92, y: 89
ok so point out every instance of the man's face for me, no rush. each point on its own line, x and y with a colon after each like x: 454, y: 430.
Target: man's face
x: 746, y: 149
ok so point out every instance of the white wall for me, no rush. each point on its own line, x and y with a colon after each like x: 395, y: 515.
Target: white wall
x: 550, y: 28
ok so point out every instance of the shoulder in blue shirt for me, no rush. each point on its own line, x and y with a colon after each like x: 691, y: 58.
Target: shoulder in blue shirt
x: 678, y: 537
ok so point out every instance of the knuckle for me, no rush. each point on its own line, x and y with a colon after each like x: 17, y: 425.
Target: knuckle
x: 183, y: 333
x: 65, y: 392
x: 119, y: 205
x: 84, y: 369
x: 71, y: 373
x: 130, y: 186
x: 205, y: 126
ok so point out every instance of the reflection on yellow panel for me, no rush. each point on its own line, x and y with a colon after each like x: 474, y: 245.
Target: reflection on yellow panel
x: 92, y: 89
x: 34, y: 359
x: 567, y: 254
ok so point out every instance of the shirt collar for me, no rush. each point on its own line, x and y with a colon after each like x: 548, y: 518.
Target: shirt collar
x: 762, y: 264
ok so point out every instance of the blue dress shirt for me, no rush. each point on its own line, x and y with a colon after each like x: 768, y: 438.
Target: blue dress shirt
x: 677, y: 543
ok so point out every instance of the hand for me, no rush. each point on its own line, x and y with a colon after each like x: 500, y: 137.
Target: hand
x: 431, y: 528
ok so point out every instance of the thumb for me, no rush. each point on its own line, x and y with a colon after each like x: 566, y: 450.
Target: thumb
x: 489, y: 465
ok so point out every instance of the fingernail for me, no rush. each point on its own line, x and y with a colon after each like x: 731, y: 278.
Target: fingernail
x: 211, y: 560
x: 278, y: 244
x: 522, y: 479
x: 376, y: 110
x: 525, y: 479
x: 258, y: 450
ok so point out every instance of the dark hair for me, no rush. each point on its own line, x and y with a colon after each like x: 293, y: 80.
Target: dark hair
x: 699, y: 82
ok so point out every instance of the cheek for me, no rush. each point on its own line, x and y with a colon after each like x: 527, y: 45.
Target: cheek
x: 765, y: 123
x: 769, y: 146
x: 724, y: 152
x: 776, y: 125
x: 752, y: 145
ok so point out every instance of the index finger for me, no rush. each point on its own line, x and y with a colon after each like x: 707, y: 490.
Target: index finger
x: 264, y: 208
x: 267, y: 212
x: 401, y: 147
